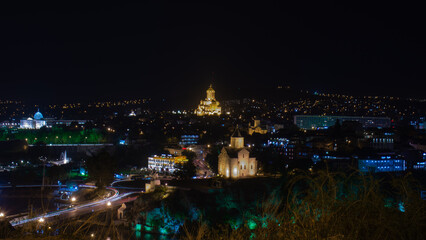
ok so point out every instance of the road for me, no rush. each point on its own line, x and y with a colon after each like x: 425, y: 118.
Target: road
x: 202, y: 169
x: 115, y: 200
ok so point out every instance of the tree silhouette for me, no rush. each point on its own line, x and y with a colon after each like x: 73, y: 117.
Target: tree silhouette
x: 212, y: 158
x: 101, y: 168
x: 187, y: 170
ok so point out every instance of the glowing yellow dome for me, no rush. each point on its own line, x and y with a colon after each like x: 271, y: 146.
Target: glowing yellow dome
x: 209, y: 106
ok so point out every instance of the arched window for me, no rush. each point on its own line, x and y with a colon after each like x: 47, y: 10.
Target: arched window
x: 244, y: 166
x: 251, y: 166
x: 241, y: 167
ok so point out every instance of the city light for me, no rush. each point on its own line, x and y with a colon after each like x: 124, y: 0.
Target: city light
x: 269, y: 160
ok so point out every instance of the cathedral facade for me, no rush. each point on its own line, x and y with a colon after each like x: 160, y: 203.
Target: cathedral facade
x: 235, y: 160
x: 209, y: 106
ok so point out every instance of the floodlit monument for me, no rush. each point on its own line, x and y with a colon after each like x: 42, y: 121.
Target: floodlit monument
x: 33, y: 123
x: 256, y: 128
x: 209, y: 106
x: 38, y: 121
x: 235, y: 160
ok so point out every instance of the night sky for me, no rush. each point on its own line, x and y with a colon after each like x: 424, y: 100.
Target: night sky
x: 67, y: 52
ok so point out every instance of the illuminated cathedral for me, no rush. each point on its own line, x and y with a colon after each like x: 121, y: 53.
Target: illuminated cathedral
x: 209, y: 106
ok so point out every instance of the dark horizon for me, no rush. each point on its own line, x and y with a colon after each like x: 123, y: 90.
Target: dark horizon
x: 67, y: 53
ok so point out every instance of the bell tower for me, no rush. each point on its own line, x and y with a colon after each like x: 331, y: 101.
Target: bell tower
x: 237, y: 141
x: 210, y: 93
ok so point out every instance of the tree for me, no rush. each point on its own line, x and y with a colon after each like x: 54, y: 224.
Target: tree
x: 55, y: 174
x: 73, y: 124
x: 212, y: 158
x: 89, y: 125
x: 101, y: 168
x: 187, y: 170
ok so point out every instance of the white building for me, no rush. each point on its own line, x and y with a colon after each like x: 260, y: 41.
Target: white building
x: 235, y: 160
x: 33, y: 123
x: 165, y: 162
x: 38, y: 121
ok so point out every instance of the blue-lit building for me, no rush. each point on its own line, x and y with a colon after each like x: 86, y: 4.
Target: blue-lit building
x: 186, y: 140
x: 418, y: 123
x: 385, y: 163
x: 421, y: 165
x: 334, y: 161
x: 316, y: 122
x: 283, y: 146
x: 278, y: 142
x: 33, y: 123
x: 38, y: 121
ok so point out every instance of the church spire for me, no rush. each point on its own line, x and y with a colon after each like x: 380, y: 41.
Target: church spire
x: 236, y: 132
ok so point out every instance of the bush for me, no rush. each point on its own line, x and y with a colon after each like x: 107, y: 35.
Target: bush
x: 330, y: 206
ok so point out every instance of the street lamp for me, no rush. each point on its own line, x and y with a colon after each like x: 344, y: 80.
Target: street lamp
x: 108, y: 203
x: 41, y: 220
x: 73, y: 199
x: 1, y: 214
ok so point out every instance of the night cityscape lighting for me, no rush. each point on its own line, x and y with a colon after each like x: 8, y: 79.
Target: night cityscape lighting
x: 178, y: 120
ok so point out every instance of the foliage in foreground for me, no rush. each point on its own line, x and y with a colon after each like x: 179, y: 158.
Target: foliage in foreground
x: 320, y: 206
x: 330, y: 206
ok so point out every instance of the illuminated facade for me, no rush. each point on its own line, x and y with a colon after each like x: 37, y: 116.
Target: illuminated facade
x: 165, y: 162
x: 62, y: 160
x: 382, y: 164
x: 38, y: 121
x: 209, y: 106
x: 379, y: 139
x: 33, y: 123
x: 235, y: 160
x: 9, y: 124
x: 186, y: 140
x: 256, y: 128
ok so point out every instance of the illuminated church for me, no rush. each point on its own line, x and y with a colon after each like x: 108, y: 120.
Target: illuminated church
x: 235, y: 160
x: 209, y: 106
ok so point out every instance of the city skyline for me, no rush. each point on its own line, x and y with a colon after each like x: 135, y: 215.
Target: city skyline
x: 209, y: 120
